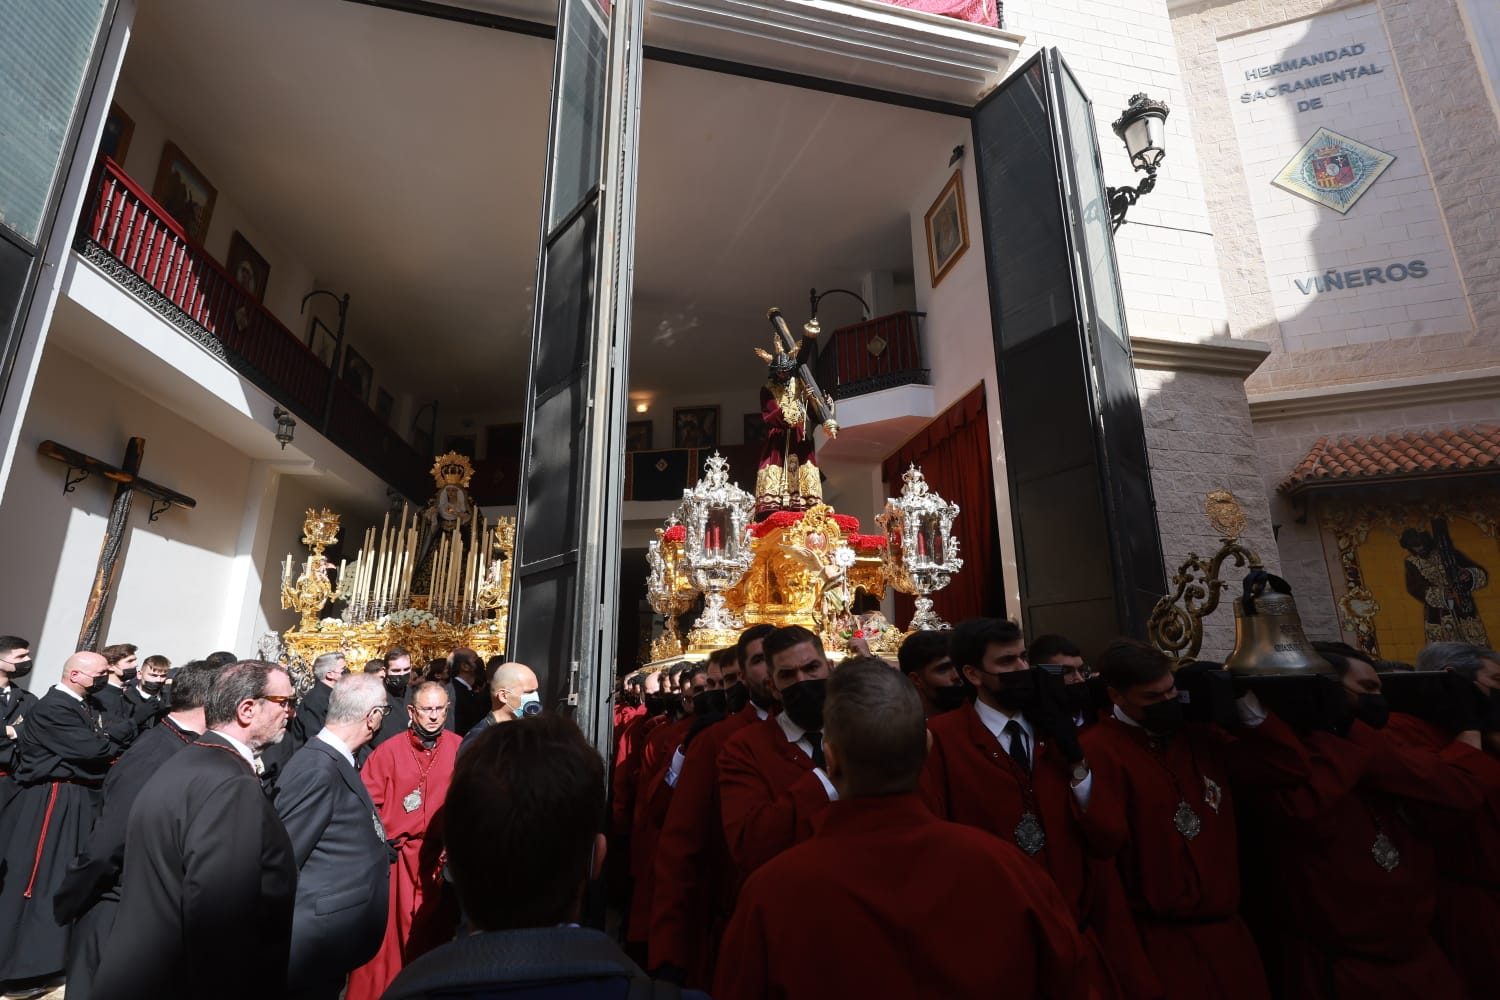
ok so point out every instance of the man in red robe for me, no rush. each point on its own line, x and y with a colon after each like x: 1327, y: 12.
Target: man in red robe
x: 695, y: 881
x: 1010, y: 764
x: 885, y: 900
x: 1163, y: 801
x: 771, y: 778
x: 408, y: 777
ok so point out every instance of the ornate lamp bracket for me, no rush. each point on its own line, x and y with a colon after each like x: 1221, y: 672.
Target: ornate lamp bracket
x: 1176, y: 623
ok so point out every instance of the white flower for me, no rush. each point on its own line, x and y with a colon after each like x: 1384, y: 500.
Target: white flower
x: 843, y: 557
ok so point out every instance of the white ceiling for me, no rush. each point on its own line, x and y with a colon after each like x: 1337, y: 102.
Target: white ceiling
x: 402, y: 157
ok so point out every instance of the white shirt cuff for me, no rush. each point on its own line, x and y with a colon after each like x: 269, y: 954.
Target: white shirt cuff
x: 1252, y: 712
x: 833, y: 793
x: 675, y: 768
x: 1083, y: 790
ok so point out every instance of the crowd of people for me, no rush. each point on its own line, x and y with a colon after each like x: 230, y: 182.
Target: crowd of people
x: 982, y: 817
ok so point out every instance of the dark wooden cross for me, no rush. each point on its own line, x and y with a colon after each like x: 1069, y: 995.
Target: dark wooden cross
x: 127, y: 481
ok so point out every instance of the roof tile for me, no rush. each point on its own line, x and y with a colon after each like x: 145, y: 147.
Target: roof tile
x: 1351, y: 459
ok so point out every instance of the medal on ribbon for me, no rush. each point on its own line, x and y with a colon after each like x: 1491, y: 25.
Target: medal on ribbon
x: 1385, y: 852
x: 413, y: 800
x: 1030, y: 837
x: 1187, y: 822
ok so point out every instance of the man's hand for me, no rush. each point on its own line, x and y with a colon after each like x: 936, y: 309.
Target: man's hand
x: 10, y: 731
x: 858, y: 646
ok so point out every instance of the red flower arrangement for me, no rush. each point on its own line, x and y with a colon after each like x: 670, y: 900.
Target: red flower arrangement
x: 865, y: 542
x: 848, y: 524
x: 675, y: 533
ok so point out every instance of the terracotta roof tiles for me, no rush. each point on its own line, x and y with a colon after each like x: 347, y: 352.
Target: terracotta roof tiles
x: 1396, y: 456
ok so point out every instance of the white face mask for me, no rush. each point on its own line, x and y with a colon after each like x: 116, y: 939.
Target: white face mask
x: 531, y: 704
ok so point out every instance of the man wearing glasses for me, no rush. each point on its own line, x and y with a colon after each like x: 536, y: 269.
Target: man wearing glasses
x: 209, y: 877
x: 1057, y: 655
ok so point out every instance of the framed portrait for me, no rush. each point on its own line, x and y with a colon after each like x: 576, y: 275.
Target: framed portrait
x: 321, y: 341
x: 247, y: 267
x: 638, y: 435
x: 118, y: 128
x: 185, y: 194
x: 357, y: 374
x: 755, y: 430
x: 385, y: 405
x: 695, y: 427
x: 947, y: 229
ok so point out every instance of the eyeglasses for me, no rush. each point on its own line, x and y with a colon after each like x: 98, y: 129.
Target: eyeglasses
x: 384, y: 710
x: 287, y: 701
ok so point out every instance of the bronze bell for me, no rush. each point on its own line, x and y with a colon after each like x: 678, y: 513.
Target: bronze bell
x: 1269, y: 641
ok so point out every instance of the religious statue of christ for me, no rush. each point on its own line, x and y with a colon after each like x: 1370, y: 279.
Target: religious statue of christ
x: 787, y: 477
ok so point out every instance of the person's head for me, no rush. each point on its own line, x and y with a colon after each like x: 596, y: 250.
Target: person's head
x: 465, y: 663
x: 524, y: 813
x: 15, y: 658
x: 715, y: 671
x: 1060, y: 653
x: 190, y: 688
x: 397, y: 670
x: 1139, y: 679
x: 428, y: 710
x: 376, y: 667
x: 799, y: 674
x: 328, y: 668
x: 991, y: 656
x: 252, y: 701
x: 122, y: 661
x: 1471, y: 662
x: 1363, y: 694
x: 693, y: 682
x: 755, y: 670
x: 85, y: 672
x: 1417, y: 542
x: 651, y: 683
x: 513, y: 692
x: 222, y: 658
x: 437, y: 670
x: 154, y: 673
x: 923, y: 658
x: 356, y: 707
x: 874, y: 731
x: 490, y: 666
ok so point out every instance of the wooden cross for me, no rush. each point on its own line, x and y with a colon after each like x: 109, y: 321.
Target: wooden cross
x: 127, y: 481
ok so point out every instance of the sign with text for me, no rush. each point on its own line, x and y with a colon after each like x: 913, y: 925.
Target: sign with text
x: 1352, y: 239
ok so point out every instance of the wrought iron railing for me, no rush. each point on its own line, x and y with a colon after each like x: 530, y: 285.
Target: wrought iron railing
x: 877, y: 354
x: 132, y: 239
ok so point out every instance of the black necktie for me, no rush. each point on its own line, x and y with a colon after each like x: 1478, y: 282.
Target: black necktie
x: 1018, y: 745
x: 815, y: 740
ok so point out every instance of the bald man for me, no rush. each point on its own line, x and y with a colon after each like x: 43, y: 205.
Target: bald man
x: 62, y: 755
x: 512, y: 696
x: 885, y: 899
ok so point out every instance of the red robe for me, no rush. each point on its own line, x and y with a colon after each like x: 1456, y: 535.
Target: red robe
x: 1184, y: 893
x: 768, y: 795
x: 888, y: 901
x: 1468, y: 859
x: 970, y: 779
x: 694, y: 889
x: 627, y: 769
x: 423, y: 910
x: 645, y: 827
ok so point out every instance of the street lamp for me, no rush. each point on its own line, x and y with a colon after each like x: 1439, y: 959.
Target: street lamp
x: 812, y: 327
x: 285, y: 426
x: 1143, y: 128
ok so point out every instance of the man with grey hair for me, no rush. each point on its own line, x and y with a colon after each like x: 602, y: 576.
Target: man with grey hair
x: 208, y: 880
x: 338, y: 844
x: 960, y: 912
x: 1468, y: 853
x: 312, y: 709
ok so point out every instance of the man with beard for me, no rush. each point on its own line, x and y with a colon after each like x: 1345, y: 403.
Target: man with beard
x: 408, y: 779
x: 90, y: 892
x: 923, y: 658
x: 64, y: 751
x: 772, y: 783
x: 695, y: 878
x: 15, y: 705
x: 209, y: 878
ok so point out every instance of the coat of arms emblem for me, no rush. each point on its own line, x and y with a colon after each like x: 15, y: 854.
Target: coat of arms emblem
x: 1333, y: 170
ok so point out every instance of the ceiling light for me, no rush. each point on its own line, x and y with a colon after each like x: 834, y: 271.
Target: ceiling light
x: 642, y: 407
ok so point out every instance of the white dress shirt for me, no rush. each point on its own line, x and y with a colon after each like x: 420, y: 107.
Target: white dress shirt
x: 68, y: 691
x: 243, y: 750
x: 995, y: 721
x: 674, y: 769
x: 796, y: 734
x: 337, y: 744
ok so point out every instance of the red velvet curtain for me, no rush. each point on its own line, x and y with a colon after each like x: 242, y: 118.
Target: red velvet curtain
x: 953, y: 452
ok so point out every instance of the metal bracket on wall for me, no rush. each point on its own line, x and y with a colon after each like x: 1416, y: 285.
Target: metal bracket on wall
x: 70, y: 481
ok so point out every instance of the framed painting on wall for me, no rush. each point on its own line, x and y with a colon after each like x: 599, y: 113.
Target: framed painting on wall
x: 185, y: 194
x: 321, y: 341
x: 118, y: 128
x: 638, y: 435
x: 358, y: 375
x: 947, y: 229
x: 247, y: 267
x: 695, y: 426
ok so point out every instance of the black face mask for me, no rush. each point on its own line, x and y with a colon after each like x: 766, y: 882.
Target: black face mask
x: 1163, y: 718
x: 1017, y: 689
x: 153, y: 687
x: 20, y: 669
x: 736, y: 697
x: 946, y: 699
x: 1372, y: 709
x: 397, y: 685
x: 630, y: 699
x: 99, y: 684
x: 128, y: 674
x: 658, y: 703
x: 427, y: 735
x: 710, y: 703
x: 803, y: 704
x: 1077, y: 697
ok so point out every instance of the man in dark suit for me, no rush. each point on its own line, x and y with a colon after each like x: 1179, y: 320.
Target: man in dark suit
x: 467, y: 693
x: 209, y: 879
x: 15, y: 704
x: 339, y: 845
x: 312, y: 709
x: 122, y: 661
x: 148, y: 699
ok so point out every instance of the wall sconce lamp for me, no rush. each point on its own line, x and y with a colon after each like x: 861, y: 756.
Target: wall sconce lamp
x: 1143, y: 128
x: 285, y: 426
x: 812, y: 327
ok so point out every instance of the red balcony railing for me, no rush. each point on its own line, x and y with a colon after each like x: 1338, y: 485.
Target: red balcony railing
x: 135, y: 241
x: 877, y: 354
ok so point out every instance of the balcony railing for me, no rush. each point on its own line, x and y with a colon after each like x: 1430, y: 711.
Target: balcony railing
x: 130, y: 237
x: 877, y: 354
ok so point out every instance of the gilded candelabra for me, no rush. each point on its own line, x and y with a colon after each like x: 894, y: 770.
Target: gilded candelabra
x: 921, y: 554
x: 312, y: 590
x: 717, y: 548
x: 669, y: 592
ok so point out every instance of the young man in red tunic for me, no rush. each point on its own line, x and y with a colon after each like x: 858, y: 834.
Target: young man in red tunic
x: 885, y: 900
x: 1010, y: 763
x: 408, y: 777
x: 1164, y: 802
x: 695, y: 879
x: 771, y: 778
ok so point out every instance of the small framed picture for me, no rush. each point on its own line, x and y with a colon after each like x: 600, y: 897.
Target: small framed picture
x: 755, y: 429
x: 247, y: 267
x: 385, y: 405
x: 695, y: 427
x: 947, y: 229
x: 321, y: 341
x: 358, y: 375
x: 184, y: 192
x: 638, y: 435
x: 118, y: 128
